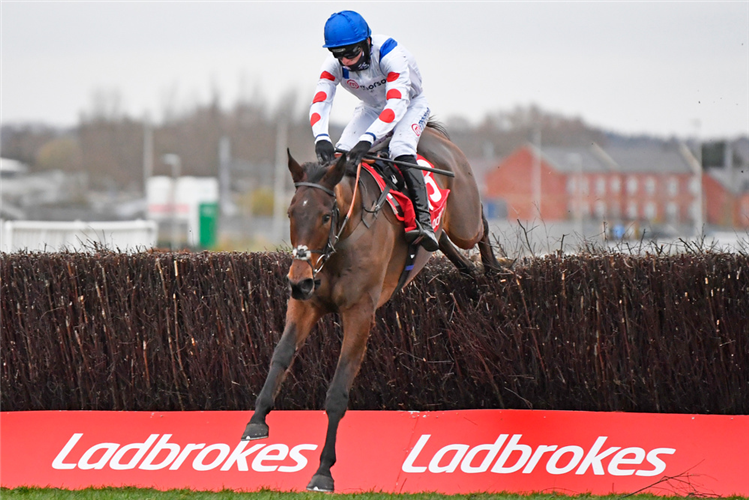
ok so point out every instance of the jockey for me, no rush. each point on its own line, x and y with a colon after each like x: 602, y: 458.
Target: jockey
x: 384, y: 76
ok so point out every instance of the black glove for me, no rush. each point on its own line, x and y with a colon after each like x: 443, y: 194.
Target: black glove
x: 325, y: 151
x: 357, y: 152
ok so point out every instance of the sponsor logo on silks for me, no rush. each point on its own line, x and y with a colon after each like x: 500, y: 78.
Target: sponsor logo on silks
x: 354, y: 85
x: 419, y: 127
x: 376, y: 84
x: 555, y: 460
x: 156, y: 455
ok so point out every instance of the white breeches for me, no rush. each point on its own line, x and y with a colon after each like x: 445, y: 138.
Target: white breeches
x: 405, y: 135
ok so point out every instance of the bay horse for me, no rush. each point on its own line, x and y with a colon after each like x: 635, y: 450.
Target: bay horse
x: 352, y: 268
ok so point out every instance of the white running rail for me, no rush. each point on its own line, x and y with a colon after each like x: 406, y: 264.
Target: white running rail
x: 126, y: 236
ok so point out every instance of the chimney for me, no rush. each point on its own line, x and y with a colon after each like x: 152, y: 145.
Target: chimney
x: 727, y: 156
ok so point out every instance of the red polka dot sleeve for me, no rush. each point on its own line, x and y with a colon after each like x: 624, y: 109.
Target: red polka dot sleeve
x: 322, y: 101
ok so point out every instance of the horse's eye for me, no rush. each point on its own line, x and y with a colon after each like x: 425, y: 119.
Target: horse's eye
x: 326, y: 218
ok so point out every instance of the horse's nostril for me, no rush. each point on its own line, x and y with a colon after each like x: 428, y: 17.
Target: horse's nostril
x: 307, y: 285
x: 302, y: 289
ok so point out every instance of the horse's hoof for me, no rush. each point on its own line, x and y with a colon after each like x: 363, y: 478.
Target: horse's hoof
x: 255, y: 431
x: 321, y: 483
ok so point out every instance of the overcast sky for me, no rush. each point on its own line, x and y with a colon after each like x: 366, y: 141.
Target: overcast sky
x: 663, y: 68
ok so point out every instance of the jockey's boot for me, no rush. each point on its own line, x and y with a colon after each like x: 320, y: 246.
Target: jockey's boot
x: 423, y: 234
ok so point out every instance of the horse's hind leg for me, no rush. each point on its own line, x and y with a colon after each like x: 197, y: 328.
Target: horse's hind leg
x: 446, y: 247
x: 300, y: 318
x: 356, y: 325
x: 485, y: 248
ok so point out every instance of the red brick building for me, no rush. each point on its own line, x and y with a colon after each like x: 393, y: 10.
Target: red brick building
x: 727, y: 196
x: 651, y: 183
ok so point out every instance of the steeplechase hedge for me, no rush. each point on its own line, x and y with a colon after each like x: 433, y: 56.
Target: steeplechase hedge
x: 195, y: 331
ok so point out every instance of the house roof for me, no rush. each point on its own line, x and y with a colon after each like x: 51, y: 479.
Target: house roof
x: 741, y: 146
x: 573, y: 159
x: 652, y: 158
x: 671, y: 158
x: 736, y: 181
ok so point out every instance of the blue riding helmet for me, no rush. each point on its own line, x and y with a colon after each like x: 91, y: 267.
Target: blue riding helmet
x: 345, y: 28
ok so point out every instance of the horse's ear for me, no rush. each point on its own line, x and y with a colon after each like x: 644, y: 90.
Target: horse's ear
x: 297, y: 172
x: 335, y: 172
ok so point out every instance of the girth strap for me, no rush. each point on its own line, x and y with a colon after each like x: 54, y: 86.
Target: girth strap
x: 413, y: 250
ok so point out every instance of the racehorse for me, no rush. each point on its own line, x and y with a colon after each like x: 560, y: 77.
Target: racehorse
x: 351, y: 268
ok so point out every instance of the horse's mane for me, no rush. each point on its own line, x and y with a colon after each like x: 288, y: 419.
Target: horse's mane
x: 438, y: 127
x: 314, y: 171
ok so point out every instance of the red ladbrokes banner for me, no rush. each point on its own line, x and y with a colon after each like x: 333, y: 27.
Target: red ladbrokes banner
x: 448, y: 452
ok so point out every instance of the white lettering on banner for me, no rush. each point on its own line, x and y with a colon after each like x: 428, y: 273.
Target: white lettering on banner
x: 58, y: 463
x: 163, y: 444
x: 516, y: 456
x: 459, y: 449
x: 537, y: 456
x: 142, y: 449
x: 274, y: 452
x: 653, y: 458
x: 169, y: 454
x: 621, y: 459
x: 552, y: 466
x: 512, y: 446
x: 183, y: 456
x: 491, y: 449
x: 84, y: 463
x: 240, y: 456
x: 594, y: 458
x: 301, y: 460
x: 223, y: 452
x: 408, y: 465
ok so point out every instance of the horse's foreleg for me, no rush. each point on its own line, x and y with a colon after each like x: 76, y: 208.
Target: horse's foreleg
x: 356, y: 326
x: 300, y: 318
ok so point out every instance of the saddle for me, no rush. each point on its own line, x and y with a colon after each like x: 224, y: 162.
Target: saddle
x: 393, y: 190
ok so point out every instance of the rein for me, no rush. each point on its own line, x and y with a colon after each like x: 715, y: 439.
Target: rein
x: 301, y: 252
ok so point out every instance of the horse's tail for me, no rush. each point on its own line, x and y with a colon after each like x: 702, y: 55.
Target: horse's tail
x: 438, y: 126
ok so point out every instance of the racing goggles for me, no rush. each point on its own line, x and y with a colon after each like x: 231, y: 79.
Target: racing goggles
x: 347, y: 51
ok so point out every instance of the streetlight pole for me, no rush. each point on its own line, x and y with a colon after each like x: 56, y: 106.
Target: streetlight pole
x: 577, y: 161
x: 224, y: 176
x: 279, y: 181
x: 699, y: 212
x: 536, y: 178
x: 147, y: 152
x: 176, y: 163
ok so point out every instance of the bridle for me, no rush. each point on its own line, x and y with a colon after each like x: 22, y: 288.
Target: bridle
x: 302, y: 252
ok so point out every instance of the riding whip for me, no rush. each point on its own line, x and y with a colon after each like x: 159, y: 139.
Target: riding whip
x: 405, y: 164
